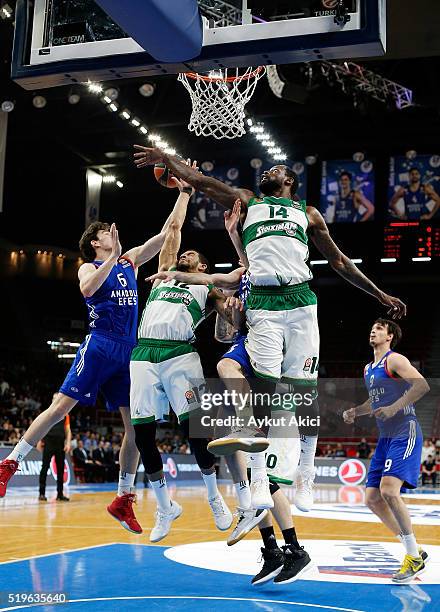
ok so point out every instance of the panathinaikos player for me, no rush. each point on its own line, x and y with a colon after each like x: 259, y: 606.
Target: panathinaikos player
x: 283, y: 339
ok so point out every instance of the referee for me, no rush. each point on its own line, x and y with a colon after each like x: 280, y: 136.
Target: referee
x: 56, y: 444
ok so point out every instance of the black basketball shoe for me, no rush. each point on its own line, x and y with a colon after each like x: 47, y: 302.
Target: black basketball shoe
x: 272, y: 566
x: 296, y: 562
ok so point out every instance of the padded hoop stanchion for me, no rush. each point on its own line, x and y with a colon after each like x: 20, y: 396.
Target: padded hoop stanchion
x: 168, y: 32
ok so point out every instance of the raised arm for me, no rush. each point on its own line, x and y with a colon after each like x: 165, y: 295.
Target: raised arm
x: 92, y: 278
x: 232, y: 219
x: 141, y: 254
x: 223, y: 281
x: 218, y: 191
x: 345, y: 267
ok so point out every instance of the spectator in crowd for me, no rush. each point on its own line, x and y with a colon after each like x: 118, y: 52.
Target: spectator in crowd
x: 328, y: 451
x: 363, y: 449
x: 429, y: 470
x: 339, y: 451
x: 82, y: 460
x: 4, y: 387
x: 427, y: 449
x: 99, y: 461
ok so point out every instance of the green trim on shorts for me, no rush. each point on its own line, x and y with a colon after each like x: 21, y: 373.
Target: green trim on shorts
x: 143, y: 420
x: 286, y: 297
x: 280, y: 480
x: 301, y: 382
x: 184, y: 416
x: 155, y: 350
x: 265, y: 376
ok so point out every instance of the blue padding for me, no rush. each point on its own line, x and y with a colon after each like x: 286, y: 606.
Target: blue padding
x: 168, y: 33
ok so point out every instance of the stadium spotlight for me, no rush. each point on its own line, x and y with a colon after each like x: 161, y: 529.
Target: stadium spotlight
x: 39, y: 101
x: 7, y: 106
x: 147, y: 90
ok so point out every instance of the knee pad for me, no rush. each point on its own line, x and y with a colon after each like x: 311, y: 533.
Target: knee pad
x: 145, y: 436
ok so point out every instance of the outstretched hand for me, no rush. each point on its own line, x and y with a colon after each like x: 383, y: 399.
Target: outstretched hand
x: 232, y: 217
x: 116, y: 245
x: 146, y: 156
x: 396, y: 308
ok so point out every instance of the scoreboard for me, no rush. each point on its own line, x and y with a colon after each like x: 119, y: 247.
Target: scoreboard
x: 411, y: 240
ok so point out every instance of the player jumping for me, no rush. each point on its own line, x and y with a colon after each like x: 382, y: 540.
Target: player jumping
x: 108, y: 284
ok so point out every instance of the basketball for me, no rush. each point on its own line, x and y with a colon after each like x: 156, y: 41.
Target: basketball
x: 164, y: 176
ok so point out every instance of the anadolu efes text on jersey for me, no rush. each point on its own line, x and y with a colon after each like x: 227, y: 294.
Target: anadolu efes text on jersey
x: 113, y: 309
x: 275, y: 239
x: 383, y: 390
x: 173, y: 311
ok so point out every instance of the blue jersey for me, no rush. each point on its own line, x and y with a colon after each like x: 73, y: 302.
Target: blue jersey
x: 113, y: 309
x: 345, y: 211
x: 415, y: 203
x: 384, y: 390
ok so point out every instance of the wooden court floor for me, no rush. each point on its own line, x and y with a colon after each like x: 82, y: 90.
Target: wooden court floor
x: 38, y: 529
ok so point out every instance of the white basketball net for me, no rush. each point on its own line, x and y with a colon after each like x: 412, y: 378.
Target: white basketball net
x: 219, y: 100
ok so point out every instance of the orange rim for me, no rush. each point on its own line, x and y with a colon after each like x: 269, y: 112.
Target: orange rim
x: 245, y: 77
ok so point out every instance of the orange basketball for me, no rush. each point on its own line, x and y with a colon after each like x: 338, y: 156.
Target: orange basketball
x: 164, y: 176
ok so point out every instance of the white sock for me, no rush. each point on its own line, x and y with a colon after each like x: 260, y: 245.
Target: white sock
x: 308, y: 450
x: 126, y: 483
x: 258, y: 466
x: 160, y: 489
x: 243, y: 494
x: 409, y: 541
x: 211, y: 484
x: 21, y: 449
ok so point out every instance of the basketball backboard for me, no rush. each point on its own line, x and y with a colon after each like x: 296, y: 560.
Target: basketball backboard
x: 60, y: 42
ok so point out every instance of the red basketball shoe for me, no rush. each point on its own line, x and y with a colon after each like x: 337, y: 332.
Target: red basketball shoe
x: 121, y: 509
x: 8, y: 467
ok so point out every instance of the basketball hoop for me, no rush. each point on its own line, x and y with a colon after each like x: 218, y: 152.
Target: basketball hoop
x: 219, y: 99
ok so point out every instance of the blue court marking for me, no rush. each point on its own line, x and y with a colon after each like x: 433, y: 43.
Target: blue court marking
x: 137, y: 576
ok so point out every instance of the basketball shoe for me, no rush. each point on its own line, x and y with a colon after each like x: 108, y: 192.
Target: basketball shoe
x: 222, y: 514
x: 260, y: 492
x: 296, y: 562
x: 247, y: 439
x: 121, y: 509
x: 411, y: 566
x: 8, y: 467
x: 304, y: 490
x: 163, y: 522
x: 272, y: 566
x: 246, y: 521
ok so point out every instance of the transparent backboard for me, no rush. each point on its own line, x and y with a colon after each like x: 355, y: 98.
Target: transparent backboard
x: 59, y: 42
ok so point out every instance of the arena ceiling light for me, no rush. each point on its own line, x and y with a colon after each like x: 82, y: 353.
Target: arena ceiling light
x: 126, y: 114
x: 39, y: 101
x: 7, y: 106
x: 266, y: 139
x: 147, y: 90
x: 73, y: 98
x: 6, y: 11
x: 112, y: 93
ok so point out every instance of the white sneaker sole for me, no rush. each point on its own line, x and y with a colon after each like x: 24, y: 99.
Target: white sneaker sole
x: 229, y: 446
x: 124, y: 524
x: 270, y: 576
x: 299, y: 574
x: 303, y: 508
x: 411, y: 578
x: 165, y: 535
x: 252, y: 525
